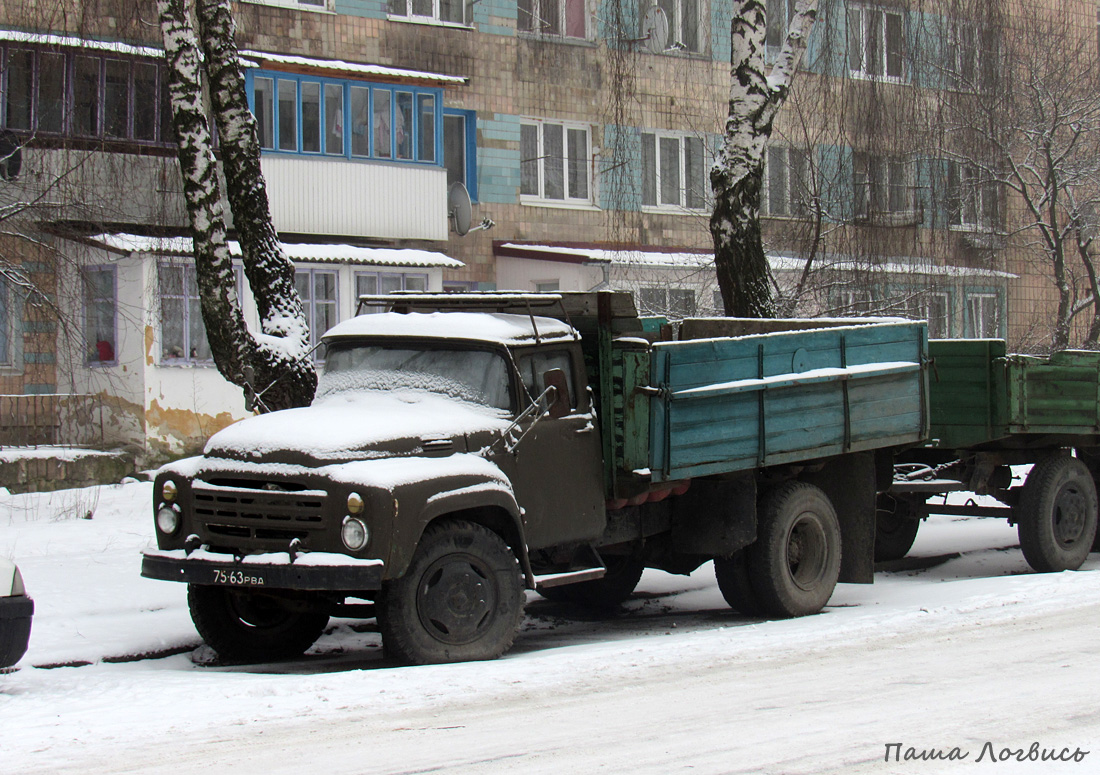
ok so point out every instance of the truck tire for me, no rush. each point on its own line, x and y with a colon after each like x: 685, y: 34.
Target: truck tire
x: 732, y: 574
x: 1057, y: 519
x: 247, y: 626
x: 895, y: 530
x: 623, y: 574
x: 795, y: 562
x: 461, y: 598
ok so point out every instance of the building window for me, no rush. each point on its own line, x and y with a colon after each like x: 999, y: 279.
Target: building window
x: 100, y: 310
x: 380, y: 283
x: 297, y: 114
x: 983, y: 317
x: 460, y: 148
x: 932, y: 306
x: 81, y: 94
x: 554, y: 162
x: 317, y: 288
x: 439, y: 11
x: 683, y: 24
x: 786, y: 180
x: 876, y: 43
x: 670, y: 302
x: 182, y: 332
x: 556, y: 18
x: 971, y: 202
x: 780, y: 13
x: 880, y: 185
x: 547, y: 286
x: 313, y: 5
x: 673, y: 172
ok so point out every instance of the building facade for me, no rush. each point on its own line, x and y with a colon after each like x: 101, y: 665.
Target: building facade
x: 582, y: 129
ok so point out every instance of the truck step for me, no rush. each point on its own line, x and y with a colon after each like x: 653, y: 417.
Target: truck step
x: 569, y: 577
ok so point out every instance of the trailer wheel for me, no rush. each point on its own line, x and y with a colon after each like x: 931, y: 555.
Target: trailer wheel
x: 623, y: 574
x: 1057, y: 514
x: 247, y: 626
x: 895, y: 529
x: 795, y: 562
x: 732, y: 574
x: 461, y: 598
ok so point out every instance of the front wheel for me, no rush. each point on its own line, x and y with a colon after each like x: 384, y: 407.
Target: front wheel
x: 795, y: 563
x: 461, y: 598
x: 246, y: 626
x: 1057, y: 514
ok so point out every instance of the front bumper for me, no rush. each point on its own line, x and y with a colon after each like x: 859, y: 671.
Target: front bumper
x: 313, y: 571
x: 15, y: 628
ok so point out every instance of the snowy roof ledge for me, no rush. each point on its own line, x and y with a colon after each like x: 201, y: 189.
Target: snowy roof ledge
x: 579, y: 253
x: 257, y: 58
x: 51, y: 39
x: 295, y: 251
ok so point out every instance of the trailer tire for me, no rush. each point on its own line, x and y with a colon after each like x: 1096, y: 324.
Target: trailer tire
x: 460, y: 600
x: 623, y: 574
x: 795, y: 562
x: 895, y: 531
x: 732, y: 574
x: 247, y: 626
x: 1057, y: 516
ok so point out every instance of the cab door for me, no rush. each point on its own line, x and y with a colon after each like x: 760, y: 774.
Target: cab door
x: 557, y: 467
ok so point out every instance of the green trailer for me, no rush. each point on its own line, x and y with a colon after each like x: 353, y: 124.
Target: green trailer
x: 991, y: 410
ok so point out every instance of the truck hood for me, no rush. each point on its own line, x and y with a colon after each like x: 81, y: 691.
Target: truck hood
x: 357, y: 426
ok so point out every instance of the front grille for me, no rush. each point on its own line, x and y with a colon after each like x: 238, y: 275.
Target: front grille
x: 257, y: 514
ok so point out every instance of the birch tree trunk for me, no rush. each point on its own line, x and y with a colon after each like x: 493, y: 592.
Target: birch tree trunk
x: 737, y: 174
x: 277, y: 359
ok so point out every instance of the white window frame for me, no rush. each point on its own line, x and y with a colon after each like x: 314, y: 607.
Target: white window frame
x: 881, y: 185
x: 979, y: 306
x: 403, y: 278
x: 311, y: 303
x: 869, y: 51
x: 663, y: 300
x: 544, y: 158
x: 188, y: 268
x: 681, y: 38
x: 971, y: 204
x: 405, y: 10
x: 781, y: 198
x: 776, y: 33
x: 90, y: 300
x: 550, y: 18
x: 654, y: 193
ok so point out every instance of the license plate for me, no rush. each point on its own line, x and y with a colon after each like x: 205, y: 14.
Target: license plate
x: 238, y: 578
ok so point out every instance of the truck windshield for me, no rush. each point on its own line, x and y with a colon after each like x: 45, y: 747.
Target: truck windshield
x: 478, y: 376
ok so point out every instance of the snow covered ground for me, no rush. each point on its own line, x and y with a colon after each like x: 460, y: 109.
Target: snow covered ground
x: 975, y: 649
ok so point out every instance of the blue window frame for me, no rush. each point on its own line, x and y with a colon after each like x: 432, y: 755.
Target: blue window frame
x: 354, y: 119
x: 460, y: 148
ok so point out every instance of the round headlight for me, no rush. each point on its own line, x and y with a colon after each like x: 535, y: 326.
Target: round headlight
x: 168, y: 520
x: 354, y: 534
x: 168, y: 491
x: 355, y: 503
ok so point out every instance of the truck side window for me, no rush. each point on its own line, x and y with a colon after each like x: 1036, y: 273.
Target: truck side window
x: 533, y: 365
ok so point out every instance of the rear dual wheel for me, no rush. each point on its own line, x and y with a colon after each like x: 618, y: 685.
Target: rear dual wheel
x: 793, y: 567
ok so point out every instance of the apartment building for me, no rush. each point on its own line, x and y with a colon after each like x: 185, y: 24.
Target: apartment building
x: 582, y: 129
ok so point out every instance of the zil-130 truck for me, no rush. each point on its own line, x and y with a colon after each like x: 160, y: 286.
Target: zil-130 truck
x: 464, y: 448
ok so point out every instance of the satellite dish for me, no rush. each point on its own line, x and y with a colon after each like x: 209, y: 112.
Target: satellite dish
x: 655, y: 29
x: 459, y: 209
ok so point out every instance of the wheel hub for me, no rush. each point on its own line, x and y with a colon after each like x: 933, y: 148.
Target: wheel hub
x: 806, y: 551
x: 1069, y: 515
x: 456, y: 599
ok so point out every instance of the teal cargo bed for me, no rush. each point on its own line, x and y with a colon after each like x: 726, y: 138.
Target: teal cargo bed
x: 784, y: 393
x: 981, y: 396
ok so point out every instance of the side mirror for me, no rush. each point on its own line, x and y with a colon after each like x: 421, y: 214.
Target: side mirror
x: 560, y: 404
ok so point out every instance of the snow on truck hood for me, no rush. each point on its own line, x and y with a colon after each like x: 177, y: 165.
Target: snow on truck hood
x: 345, y: 425
x: 499, y: 328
